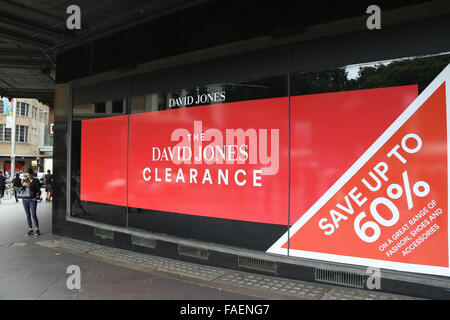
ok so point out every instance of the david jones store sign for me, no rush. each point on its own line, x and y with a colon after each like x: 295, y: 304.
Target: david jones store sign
x: 185, y: 101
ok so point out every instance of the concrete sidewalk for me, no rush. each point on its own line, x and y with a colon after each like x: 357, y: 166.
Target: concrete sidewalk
x: 32, y: 271
x: 33, y: 267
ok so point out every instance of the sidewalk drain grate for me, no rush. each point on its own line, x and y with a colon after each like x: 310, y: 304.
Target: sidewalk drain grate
x: 340, y: 278
x: 257, y: 264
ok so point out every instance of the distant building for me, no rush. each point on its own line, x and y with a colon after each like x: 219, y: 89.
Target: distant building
x: 34, y: 136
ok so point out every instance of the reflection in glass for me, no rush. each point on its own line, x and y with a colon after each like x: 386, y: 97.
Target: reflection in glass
x: 99, y: 109
x: 381, y: 74
x: 269, y: 87
x: 115, y: 215
x: 75, y: 194
x: 251, y: 235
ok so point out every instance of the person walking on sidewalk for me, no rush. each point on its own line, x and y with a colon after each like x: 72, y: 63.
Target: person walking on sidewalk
x: 30, y: 205
x: 48, y: 182
x: 2, y: 185
x: 17, y: 184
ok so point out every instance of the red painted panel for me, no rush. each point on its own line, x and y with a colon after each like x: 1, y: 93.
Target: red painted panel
x: 104, y: 160
x: 403, y: 217
x: 262, y: 200
x: 330, y: 131
x: 18, y: 166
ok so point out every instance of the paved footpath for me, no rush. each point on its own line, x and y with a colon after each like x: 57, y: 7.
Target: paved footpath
x: 33, y: 267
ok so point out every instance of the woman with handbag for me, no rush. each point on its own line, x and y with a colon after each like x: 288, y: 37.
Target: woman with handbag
x: 29, y: 200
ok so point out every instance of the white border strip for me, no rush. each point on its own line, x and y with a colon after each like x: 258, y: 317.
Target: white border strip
x: 447, y: 92
x: 414, y: 106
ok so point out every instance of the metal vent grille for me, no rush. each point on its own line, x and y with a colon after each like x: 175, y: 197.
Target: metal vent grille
x: 257, y: 264
x: 193, y: 252
x: 340, y: 277
x: 104, y: 234
x: 143, y: 242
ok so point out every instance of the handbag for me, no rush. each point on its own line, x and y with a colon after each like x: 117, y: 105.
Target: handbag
x: 25, y: 194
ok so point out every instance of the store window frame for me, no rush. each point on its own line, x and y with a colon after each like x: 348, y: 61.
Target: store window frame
x: 87, y: 95
x: 118, y: 107
x: 100, y: 107
x: 3, y: 133
x: 129, y: 97
x: 22, y: 130
x: 23, y: 109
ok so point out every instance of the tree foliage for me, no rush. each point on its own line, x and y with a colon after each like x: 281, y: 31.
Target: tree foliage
x: 420, y: 71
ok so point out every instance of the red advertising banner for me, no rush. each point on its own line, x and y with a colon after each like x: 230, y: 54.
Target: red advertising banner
x: 104, y: 160
x: 226, y: 161
x: 390, y: 208
x: 330, y: 131
x: 368, y: 170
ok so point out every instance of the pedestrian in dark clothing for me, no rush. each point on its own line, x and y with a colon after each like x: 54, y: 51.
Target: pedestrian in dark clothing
x: 30, y: 205
x: 2, y: 185
x: 48, y: 181
x: 76, y: 183
x: 17, y: 183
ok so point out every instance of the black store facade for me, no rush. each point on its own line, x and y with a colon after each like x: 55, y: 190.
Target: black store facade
x: 276, y: 75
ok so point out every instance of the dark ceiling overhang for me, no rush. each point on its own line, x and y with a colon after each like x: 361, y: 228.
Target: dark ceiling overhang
x: 37, y: 50
x: 33, y: 32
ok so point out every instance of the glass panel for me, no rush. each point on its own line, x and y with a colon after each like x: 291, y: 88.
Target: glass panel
x: 398, y: 72
x: 7, y: 134
x: 213, y: 94
x: 22, y: 109
x: 118, y: 106
x: 218, y: 205
x: 337, y: 119
x: 100, y: 107
x: 21, y: 133
x: 102, y: 144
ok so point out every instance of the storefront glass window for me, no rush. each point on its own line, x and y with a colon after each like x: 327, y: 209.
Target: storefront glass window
x: 217, y: 202
x: 269, y: 87
x: 124, y: 172
x: 349, y: 129
x: 101, y: 175
x: 115, y: 177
